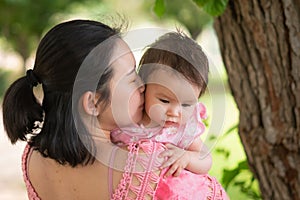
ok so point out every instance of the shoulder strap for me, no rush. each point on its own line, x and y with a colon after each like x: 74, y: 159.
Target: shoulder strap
x: 110, y: 171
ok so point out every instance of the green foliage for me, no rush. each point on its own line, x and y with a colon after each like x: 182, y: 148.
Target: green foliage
x: 233, y: 128
x: 187, y: 13
x: 22, y: 22
x: 212, y: 7
x: 159, y: 7
x: 229, y: 175
x: 239, y: 176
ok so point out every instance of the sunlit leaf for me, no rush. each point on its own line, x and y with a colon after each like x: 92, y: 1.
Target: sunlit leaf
x: 243, y: 165
x: 201, y: 3
x: 228, y: 176
x: 223, y: 151
x: 231, y: 129
x: 212, y: 7
x: 159, y: 7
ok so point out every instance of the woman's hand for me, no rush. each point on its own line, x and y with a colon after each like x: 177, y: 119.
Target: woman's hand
x: 178, y: 159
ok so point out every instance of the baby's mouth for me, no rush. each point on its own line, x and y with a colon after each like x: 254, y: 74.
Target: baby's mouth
x: 170, y: 124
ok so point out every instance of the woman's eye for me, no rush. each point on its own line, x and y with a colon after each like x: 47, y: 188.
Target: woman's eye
x: 133, y: 79
x: 164, y: 101
x: 185, y: 105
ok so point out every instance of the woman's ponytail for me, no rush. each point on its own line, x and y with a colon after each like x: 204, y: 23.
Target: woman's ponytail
x: 21, y: 110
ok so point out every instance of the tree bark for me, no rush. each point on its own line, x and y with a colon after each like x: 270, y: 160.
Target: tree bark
x: 260, y: 46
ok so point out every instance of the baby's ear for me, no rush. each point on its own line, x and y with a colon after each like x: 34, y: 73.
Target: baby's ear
x: 89, y: 103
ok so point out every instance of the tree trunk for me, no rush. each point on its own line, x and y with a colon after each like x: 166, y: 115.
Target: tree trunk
x: 260, y: 46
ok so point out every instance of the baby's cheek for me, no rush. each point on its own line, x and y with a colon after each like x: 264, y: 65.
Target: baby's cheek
x: 156, y: 112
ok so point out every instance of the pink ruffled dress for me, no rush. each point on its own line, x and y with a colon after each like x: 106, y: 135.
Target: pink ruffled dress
x: 187, y: 186
x: 182, y: 136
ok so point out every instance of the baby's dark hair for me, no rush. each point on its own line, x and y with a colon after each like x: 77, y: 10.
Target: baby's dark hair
x: 59, y: 57
x: 181, y: 53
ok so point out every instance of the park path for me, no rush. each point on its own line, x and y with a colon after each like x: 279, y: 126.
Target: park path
x: 12, y: 186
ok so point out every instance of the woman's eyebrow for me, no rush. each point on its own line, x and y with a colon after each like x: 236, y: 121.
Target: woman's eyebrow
x: 133, y: 70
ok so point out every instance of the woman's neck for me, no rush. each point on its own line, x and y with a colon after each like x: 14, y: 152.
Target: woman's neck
x: 100, y: 134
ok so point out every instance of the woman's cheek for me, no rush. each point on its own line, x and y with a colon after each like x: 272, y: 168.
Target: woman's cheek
x: 136, y: 107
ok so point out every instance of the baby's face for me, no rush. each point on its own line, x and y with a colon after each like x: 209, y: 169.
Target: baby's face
x: 170, y: 99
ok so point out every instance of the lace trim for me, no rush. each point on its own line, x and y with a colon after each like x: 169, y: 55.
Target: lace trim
x: 145, y: 178
x: 32, y: 195
x: 122, y: 189
x: 216, y: 190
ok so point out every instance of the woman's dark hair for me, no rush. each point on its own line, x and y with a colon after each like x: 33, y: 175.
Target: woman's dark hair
x: 58, y: 59
x: 181, y: 53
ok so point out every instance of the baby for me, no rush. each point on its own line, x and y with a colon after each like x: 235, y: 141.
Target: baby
x: 175, y: 72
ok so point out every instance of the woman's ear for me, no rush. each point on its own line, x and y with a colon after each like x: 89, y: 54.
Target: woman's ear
x: 89, y: 103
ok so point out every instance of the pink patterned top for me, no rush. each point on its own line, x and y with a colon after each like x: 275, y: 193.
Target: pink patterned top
x: 181, y: 137
x: 147, y: 179
x: 143, y: 154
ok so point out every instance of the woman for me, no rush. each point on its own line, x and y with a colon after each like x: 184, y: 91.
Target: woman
x: 90, y: 87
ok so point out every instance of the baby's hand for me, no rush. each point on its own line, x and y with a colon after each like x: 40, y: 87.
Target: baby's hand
x: 177, y: 157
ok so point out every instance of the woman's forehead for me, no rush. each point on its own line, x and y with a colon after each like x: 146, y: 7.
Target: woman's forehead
x: 122, y: 60
x: 121, y: 48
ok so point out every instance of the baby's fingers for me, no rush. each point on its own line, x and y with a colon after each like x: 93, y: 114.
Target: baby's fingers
x: 171, y: 171
x: 177, y: 172
x: 166, y: 153
x: 168, y: 162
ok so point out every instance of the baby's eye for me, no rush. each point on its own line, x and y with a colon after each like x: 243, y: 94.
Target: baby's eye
x: 164, y: 101
x: 186, y: 105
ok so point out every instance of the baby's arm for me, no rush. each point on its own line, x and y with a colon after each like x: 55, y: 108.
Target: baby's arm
x: 196, y: 158
x: 200, y: 157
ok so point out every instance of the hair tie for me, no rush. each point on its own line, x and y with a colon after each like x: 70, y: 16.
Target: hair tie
x: 31, y: 78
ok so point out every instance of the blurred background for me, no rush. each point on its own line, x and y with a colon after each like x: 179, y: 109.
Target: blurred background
x: 24, y: 22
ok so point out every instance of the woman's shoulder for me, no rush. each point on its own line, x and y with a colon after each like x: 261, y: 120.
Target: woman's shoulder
x: 62, y: 181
